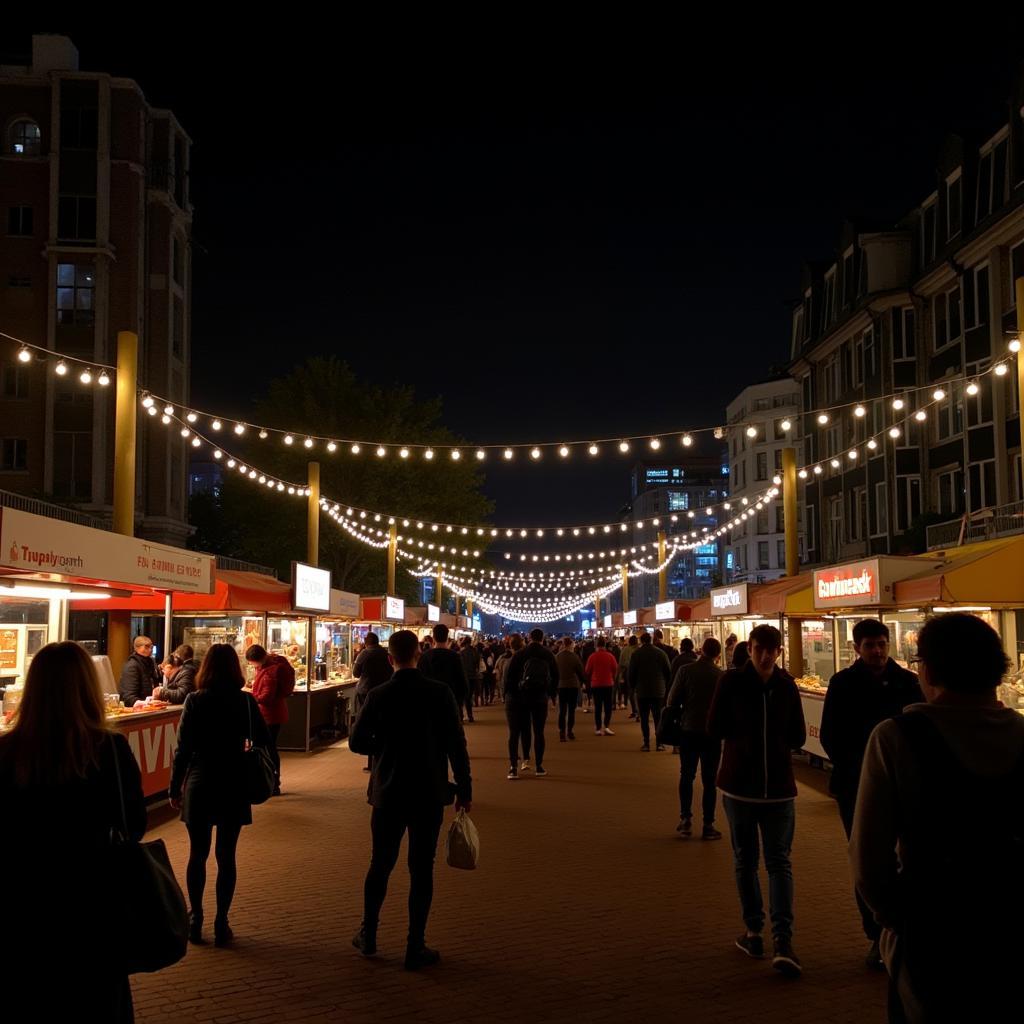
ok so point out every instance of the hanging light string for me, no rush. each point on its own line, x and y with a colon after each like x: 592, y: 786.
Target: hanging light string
x: 90, y: 372
x: 529, y: 610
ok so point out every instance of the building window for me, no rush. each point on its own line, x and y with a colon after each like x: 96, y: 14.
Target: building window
x: 857, y: 514
x: 76, y: 218
x: 1016, y: 265
x: 979, y: 407
x: 15, y: 381
x: 762, y: 465
x: 178, y: 261
x: 903, y: 345
x: 949, y: 417
x: 835, y: 525
x: 79, y: 127
x: 981, y: 485
x: 76, y: 289
x: 976, y: 297
x: 830, y: 297
x: 949, y: 486
x: 812, y: 528
x: 928, y: 233
x: 953, y: 205
x: 831, y: 383
x: 72, y: 464
x: 762, y: 521
x: 908, y: 501
x: 946, y: 318
x: 992, y: 177
x: 13, y: 455
x: 25, y: 139
x: 780, y: 554
x: 178, y: 329
x: 880, y: 511
x: 798, y: 329
x: 1015, y: 477
x: 849, y: 279
x: 19, y: 221
x: 762, y: 555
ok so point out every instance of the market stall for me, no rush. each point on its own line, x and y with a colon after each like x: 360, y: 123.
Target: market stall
x: 379, y: 615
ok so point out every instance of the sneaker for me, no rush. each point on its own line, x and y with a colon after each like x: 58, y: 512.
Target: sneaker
x: 597, y: 732
x: 512, y: 773
x: 752, y: 945
x: 365, y: 940
x: 646, y: 747
x: 710, y: 832
x: 874, y: 958
x: 541, y: 772
x: 608, y: 731
x: 685, y: 827
x: 785, y: 961
x: 525, y: 766
x: 585, y: 711
x: 421, y: 957
x: 660, y: 746
x: 572, y: 735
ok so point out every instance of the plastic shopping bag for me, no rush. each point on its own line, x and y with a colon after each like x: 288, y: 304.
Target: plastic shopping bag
x: 462, y: 846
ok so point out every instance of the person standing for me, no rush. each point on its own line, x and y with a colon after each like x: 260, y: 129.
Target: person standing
x: 659, y: 641
x: 410, y: 727
x: 873, y: 689
x: 626, y: 690
x: 531, y: 680
x: 500, y: 664
x: 693, y: 687
x: 686, y: 656
x: 730, y: 649
x: 63, y: 774
x: 471, y: 665
x: 179, y: 676
x: 648, y: 679
x: 600, y: 670
x: 570, y: 676
x: 139, y: 677
x: 444, y: 664
x: 756, y: 712
x: 208, y: 780
x: 273, y: 685
x: 939, y: 821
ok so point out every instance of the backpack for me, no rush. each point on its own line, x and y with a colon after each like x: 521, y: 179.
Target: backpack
x: 536, y: 677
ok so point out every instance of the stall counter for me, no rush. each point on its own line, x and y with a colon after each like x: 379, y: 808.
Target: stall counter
x: 153, y: 738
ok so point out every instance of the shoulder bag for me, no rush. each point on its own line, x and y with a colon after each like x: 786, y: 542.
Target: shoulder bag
x: 260, y: 775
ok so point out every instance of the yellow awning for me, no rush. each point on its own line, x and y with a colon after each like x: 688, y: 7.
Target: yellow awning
x: 989, y: 573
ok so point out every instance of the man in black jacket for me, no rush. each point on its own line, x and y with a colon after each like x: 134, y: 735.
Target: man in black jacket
x: 874, y: 688
x: 139, y: 675
x: 756, y: 710
x: 531, y: 680
x: 686, y: 656
x: 410, y: 726
x: 441, y: 662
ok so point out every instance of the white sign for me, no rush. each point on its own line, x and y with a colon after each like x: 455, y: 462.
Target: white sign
x: 847, y: 586
x: 629, y: 618
x: 665, y: 610
x: 729, y: 600
x: 311, y: 588
x: 394, y: 609
x: 813, y: 707
x: 607, y: 622
x: 344, y: 603
x: 50, y: 546
x: 433, y: 613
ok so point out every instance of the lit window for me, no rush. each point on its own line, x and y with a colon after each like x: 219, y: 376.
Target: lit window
x: 25, y: 138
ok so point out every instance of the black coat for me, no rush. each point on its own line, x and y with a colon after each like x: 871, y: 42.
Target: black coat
x: 138, y: 677
x: 410, y: 726
x: 181, y: 684
x: 514, y: 673
x: 855, y: 703
x: 372, y: 668
x: 208, y: 775
x: 445, y: 664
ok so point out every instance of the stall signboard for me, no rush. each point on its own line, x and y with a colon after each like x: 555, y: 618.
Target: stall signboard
x: 394, y: 609
x: 664, y: 611
x: 607, y: 622
x: 345, y: 604
x: 311, y: 588
x: 729, y: 601
x: 813, y: 706
x: 153, y: 740
x: 433, y: 613
x: 629, y: 618
x: 37, y: 544
x: 870, y: 583
x: 476, y: 623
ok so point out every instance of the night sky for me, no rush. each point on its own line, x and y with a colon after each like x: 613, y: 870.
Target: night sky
x: 565, y: 240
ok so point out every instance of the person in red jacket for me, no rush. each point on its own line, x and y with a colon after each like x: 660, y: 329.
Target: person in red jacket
x: 601, y: 669
x: 273, y: 685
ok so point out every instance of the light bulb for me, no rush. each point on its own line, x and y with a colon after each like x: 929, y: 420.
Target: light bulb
x: 62, y: 368
x: 534, y: 453
x: 196, y: 442
x: 897, y: 404
x: 823, y: 418
x: 191, y: 417
x: 687, y: 440
x: 751, y: 431
x: 456, y: 454
x: 428, y: 454
x: 185, y: 431
x: 972, y: 388
x: 308, y: 443
x: 623, y: 446
x: 655, y: 443
x: 24, y: 354
x: 786, y: 424
x: 938, y: 394
x: 86, y: 376
x: 263, y: 435
x: 403, y: 453
x: 218, y: 454
x: 239, y: 429
x: 894, y: 431
x: 817, y: 470
x: 168, y: 410
x: 1015, y: 345
x: 355, y: 449
x: 147, y: 401
x: 776, y: 479
x: 593, y: 449
x: 103, y: 378
x: 508, y: 453
x: 481, y: 454
x: 165, y: 419
x: 331, y: 446
x: 381, y: 451
x: 920, y: 415
x: 216, y: 424
x: 288, y: 439
x: 852, y: 454
x: 835, y: 463
x: 860, y: 412
x: 1000, y: 370
x: 564, y: 451
x: 872, y: 444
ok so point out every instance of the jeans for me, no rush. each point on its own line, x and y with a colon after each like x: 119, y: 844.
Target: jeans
x: 568, y: 698
x: 200, y: 838
x: 275, y: 731
x: 517, y: 714
x: 604, y: 699
x: 775, y: 823
x: 698, y: 748
x: 847, y: 802
x: 387, y: 826
x: 649, y: 706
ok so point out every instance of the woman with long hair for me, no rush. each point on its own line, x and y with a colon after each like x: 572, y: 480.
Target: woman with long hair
x: 62, y: 776
x: 208, y: 783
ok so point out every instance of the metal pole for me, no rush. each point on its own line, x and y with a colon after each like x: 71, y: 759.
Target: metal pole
x: 1019, y: 286
x: 663, y: 575
x: 625, y: 589
x: 439, y: 596
x: 168, y: 610
x: 789, y: 510
x: 597, y: 614
x: 392, y: 556
x: 313, y: 514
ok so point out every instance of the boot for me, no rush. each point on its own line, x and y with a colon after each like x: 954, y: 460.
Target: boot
x: 195, y: 929
x: 365, y: 940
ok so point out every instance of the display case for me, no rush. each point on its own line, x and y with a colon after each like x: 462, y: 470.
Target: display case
x: 816, y: 640
x: 289, y: 637
x: 240, y: 631
x: 333, y: 654
x: 904, y: 628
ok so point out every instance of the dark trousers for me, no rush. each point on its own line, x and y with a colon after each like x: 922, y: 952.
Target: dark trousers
x: 468, y: 700
x: 697, y: 748
x: 774, y: 824
x: 200, y: 838
x: 568, y: 698
x: 538, y: 710
x: 604, y: 701
x: 517, y: 714
x: 847, y: 803
x: 387, y: 826
x: 649, y: 706
x: 631, y: 699
x: 275, y: 731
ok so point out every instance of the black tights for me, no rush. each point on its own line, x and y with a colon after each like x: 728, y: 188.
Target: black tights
x: 200, y: 839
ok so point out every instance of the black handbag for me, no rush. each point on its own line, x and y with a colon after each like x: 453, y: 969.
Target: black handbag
x: 668, y: 732
x: 260, y: 774
x: 150, y: 920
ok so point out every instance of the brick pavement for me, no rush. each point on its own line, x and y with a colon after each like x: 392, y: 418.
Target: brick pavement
x: 586, y: 905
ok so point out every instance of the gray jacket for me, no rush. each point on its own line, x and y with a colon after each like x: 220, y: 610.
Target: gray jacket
x: 692, y: 689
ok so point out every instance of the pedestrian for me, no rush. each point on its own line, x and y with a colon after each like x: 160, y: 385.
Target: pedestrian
x: 273, y: 684
x: 756, y: 711
x: 61, y: 769
x: 570, y: 676
x: 179, y: 673
x: 471, y: 665
x: 686, y: 655
x: 489, y: 654
x: 649, y: 678
x: 531, y: 680
x: 600, y: 670
x: 939, y: 820
x: 444, y: 664
x: 139, y: 677
x: 740, y: 655
x: 730, y: 648
x: 587, y: 648
x: 693, y: 687
x: 208, y: 780
x: 874, y: 688
x: 659, y: 641
x: 410, y: 727
x: 627, y: 693
x: 500, y: 665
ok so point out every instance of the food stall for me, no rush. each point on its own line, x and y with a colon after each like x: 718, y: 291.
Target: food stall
x: 421, y: 619
x: 736, y: 611
x: 379, y: 615
x: 333, y: 648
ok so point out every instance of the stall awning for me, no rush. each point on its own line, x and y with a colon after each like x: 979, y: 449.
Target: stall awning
x: 783, y: 596
x: 990, y: 573
x: 233, y: 591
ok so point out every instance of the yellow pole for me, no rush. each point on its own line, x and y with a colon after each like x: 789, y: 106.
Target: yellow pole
x: 469, y: 609
x: 313, y: 514
x: 439, y: 595
x: 625, y: 589
x: 597, y: 614
x: 392, y: 556
x: 119, y: 623
x: 789, y: 510
x: 663, y: 575
x: 1019, y: 285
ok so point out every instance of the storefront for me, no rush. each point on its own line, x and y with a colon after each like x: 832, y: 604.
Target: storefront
x: 378, y: 615
x: 421, y: 619
x: 736, y: 610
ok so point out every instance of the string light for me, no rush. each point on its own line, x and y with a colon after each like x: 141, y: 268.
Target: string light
x: 61, y: 368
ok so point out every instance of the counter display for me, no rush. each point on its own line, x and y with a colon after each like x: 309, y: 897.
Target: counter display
x: 152, y: 734
x: 813, y: 702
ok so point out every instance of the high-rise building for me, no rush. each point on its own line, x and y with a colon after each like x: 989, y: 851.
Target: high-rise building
x: 96, y: 224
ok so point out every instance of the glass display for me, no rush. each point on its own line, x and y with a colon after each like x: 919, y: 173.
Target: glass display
x: 844, y: 631
x: 819, y: 661
x: 903, y: 630
x: 332, y: 660
x: 290, y: 639
x: 241, y: 631
x: 382, y: 630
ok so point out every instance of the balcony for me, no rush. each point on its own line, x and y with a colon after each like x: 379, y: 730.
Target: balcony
x: 988, y: 524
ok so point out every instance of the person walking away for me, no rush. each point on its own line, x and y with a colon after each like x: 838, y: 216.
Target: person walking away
x: 489, y: 654
x: 208, y: 782
x: 59, y: 789
x: 730, y: 650
x: 648, y: 679
x: 600, y: 670
x: 686, y: 656
x: 500, y: 664
x: 874, y: 688
x: 949, y: 914
x: 756, y: 712
x: 517, y: 715
x: 532, y: 676
x: 587, y: 648
x: 658, y: 639
x: 371, y: 668
x: 410, y: 727
x: 693, y: 687
x: 627, y: 693
x: 179, y: 676
x: 471, y: 666
x: 570, y: 676
x: 444, y: 664
x: 273, y: 684
x: 740, y: 655
x: 139, y: 677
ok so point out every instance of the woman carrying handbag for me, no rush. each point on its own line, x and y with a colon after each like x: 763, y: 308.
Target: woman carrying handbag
x: 210, y: 781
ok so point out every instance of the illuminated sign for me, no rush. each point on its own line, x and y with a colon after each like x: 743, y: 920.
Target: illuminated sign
x: 664, y: 475
x: 629, y: 618
x: 847, y: 586
x: 311, y: 588
x: 665, y: 610
x: 729, y: 600
x: 394, y: 609
x: 433, y: 613
x: 607, y: 622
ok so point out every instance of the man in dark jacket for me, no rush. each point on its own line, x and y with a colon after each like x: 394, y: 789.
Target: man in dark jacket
x: 441, y: 662
x: 756, y: 710
x: 686, y: 656
x: 874, y: 688
x: 410, y: 726
x: 371, y: 668
x: 659, y: 641
x: 139, y: 675
x: 531, y: 680
x: 177, y: 686
x: 649, y: 670
x: 692, y: 689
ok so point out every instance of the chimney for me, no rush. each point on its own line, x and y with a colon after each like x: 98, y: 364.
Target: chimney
x: 53, y: 53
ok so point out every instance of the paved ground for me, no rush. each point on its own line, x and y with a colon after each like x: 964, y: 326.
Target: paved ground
x: 586, y: 906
